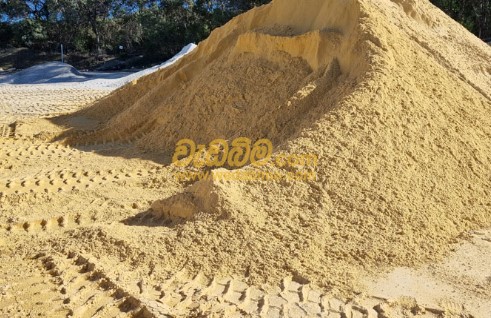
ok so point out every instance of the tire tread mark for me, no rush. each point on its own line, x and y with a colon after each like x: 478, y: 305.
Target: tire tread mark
x: 88, y: 290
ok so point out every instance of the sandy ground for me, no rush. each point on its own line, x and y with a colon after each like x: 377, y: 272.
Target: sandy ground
x: 460, y: 282
x: 59, y: 203
x: 43, y: 100
x: 391, y: 95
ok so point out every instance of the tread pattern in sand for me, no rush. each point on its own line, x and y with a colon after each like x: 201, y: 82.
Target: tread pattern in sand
x: 65, y: 181
x: 7, y: 130
x: 42, y: 151
x: 74, y: 285
x: 236, y: 298
x: 229, y: 297
x: 87, y: 292
x: 27, y: 281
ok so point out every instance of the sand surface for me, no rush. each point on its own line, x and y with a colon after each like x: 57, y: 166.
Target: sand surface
x: 393, y: 98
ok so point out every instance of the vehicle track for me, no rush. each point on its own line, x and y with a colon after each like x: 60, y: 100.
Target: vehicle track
x: 88, y: 292
x: 43, y: 151
x: 27, y: 281
x: 84, y: 290
x: 18, y: 100
x: 185, y: 294
x: 67, y: 180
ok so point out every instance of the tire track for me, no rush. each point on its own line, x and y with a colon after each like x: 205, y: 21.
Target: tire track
x: 68, y: 180
x: 87, y: 291
x: 108, y: 137
x: 28, y: 281
x: 185, y: 294
x: 43, y: 151
x: 18, y: 100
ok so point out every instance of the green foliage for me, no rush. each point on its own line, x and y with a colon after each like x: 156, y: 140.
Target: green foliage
x: 157, y: 28
x: 6, y: 34
x: 475, y: 15
x: 30, y: 32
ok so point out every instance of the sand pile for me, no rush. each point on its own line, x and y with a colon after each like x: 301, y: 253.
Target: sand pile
x: 393, y: 97
x: 52, y: 72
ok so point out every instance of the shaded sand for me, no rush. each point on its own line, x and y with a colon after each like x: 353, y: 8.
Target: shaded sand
x: 393, y: 97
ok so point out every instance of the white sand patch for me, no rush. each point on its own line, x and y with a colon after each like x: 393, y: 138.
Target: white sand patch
x: 57, y: 73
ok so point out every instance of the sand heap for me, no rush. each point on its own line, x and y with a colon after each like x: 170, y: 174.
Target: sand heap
x: 393, y: 96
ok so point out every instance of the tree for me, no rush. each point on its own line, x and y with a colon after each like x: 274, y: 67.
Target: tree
x: 475, y: 15
x: 156, y: 28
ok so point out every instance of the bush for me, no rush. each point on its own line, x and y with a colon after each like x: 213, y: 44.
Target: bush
x: 6, y: 34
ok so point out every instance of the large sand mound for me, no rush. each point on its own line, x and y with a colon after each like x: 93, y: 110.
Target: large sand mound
x: 393, y: 96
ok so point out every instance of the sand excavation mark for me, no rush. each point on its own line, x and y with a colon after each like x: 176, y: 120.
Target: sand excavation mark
x: 67, y: 180
x: 8, y: 130
x: 87, y: 291
x: 446, y: 64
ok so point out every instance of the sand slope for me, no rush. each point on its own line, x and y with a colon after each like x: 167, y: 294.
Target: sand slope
x: 392, y: 96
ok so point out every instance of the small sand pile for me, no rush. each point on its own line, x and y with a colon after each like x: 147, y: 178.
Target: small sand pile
x: 393, y: 97
x: 51, y: 72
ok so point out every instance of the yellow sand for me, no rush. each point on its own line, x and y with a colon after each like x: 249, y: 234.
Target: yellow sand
x: 393, y: 97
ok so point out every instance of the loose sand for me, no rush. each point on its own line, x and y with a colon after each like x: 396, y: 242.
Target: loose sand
x: 392, y: 96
